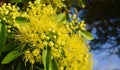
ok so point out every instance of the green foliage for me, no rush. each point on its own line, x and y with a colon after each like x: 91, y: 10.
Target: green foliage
x: 53, y: 65
x: 60, y: 18
x: 10, y: 46
x: 11, y: 56
x: 0, y: 25
x: 44, y: 58
x: 21, y: 20
x: 16, y: 1
x: 49, y: 62
x: 87, y: 35
x: 2, y: 36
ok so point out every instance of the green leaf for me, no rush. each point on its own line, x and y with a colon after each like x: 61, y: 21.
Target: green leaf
x: 21, y: 20
x: 53, y: 65
x: 87, y: 35
x: 2, y: 36
x: 0, y: 26
x: 9, y: 46
x: 15, y: 1
x: 46, y: 57
x: 12, y: 56
x: 60, y: 17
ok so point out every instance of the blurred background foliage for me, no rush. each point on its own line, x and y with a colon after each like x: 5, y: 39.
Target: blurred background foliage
x: 103, y: 16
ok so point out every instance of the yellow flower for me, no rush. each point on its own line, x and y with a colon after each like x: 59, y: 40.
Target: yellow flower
x: 82, y: 25
x: 75, y: 51
x: 51, y: 44
x: 41, y: 30
x: 35, y: 52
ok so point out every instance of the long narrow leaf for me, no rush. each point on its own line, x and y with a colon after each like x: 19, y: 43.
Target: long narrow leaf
x: 44, y: 55
x: 87, y: 35
x: 0, y: 26
x: 2, y: 36
x: 47, y: 58
x: 53, y: 65
x: 60, y: 17
x: 11, y: 56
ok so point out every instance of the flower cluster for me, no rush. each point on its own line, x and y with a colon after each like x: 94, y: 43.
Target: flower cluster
x: 41, y: 30
x: 9, y: 13
x: 75, y: 26
x: 54, y: 3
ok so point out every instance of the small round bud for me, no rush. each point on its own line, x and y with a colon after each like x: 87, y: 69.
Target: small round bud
x: 9, y: 4
x: 74, y: 16
x: 4, y: 19
x: 30, y: 2
x: 51, y: 44
x: 45, y: 43
x: 8, y: 30
x: 47, y: 38
x: 9, y: 26
x: 54, y: 36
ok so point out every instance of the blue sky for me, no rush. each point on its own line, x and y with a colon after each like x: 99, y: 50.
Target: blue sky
x: 106, y: 61
x: 103, y: 59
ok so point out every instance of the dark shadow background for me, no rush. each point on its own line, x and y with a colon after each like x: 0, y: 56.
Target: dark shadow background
x: 103, y: 17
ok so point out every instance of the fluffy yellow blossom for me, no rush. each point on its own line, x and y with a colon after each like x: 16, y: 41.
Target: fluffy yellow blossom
x: 40, y: 30
x: 75, y: 55
x: 70, y: 51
